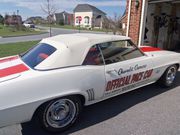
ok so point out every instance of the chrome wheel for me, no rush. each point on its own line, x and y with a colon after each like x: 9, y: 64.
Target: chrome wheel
x: 61, y: 113
x: 171, y: 74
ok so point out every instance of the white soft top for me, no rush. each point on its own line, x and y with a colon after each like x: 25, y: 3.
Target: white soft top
x: 72, y: 48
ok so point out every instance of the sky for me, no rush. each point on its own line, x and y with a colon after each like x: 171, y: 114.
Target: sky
x: 29, y: 8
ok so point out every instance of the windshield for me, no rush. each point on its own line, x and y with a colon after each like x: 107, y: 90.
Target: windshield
x: 117, y: 51
x: 38, y: 54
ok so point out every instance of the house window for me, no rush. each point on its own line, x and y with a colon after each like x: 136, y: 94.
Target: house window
x: 77, y: 19
x: 86, y: 20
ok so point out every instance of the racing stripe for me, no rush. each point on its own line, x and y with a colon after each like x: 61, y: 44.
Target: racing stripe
x: 13, y: 70
x: 149, y: 49
x: 8, y: 59
x: 10, y: 63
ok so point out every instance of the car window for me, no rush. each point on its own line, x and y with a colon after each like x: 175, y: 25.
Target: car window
x: 119, y: 51
x: 38, y: 54
x: 93, y: 57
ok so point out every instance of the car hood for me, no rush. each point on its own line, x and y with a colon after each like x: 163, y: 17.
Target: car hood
x: 155, y: 51
x: 11, y: 67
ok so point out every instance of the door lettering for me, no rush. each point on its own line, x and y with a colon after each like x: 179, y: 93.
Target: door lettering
x: 131, y: 79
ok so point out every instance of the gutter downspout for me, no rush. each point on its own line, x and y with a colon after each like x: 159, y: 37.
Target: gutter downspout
x: 143, y: 22
x: 129, y: 17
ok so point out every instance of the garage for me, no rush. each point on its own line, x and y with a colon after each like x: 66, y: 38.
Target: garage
x: 154, y: 23
x: 162, y: 24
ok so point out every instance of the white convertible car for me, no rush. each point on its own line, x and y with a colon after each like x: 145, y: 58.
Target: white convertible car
x: 60, y: 75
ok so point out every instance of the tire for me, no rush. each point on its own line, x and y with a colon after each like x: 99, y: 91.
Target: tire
x: 60, y: 114
x: 167, y: 79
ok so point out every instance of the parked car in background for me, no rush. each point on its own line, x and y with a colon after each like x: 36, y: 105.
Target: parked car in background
x: 29, y: 25
x: 55, y: 79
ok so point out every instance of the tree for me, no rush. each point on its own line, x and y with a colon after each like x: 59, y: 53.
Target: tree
x: 115, y: 23
x: 106, y: 24
x: 49, y: 9
x: 1, y: 19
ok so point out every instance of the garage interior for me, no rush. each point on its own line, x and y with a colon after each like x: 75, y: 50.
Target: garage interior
x: 162, y: 28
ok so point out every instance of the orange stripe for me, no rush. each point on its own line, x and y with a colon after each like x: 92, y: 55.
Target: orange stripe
x: 149, y: 49
x: 13, y: 70
x: 8, y: 59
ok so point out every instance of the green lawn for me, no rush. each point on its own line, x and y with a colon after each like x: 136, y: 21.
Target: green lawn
x: 6, y: 31
x: 15, y: 48
x: 76, y: 28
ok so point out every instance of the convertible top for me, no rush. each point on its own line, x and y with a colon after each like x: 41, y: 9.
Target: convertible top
x: 73, y: 48
x: 76, y: 40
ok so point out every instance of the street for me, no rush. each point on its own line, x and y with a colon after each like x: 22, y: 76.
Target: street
x: 149, y: 110
x: 55, y: 31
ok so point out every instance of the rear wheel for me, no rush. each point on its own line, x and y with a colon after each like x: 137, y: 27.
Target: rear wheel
x: 58, y: 115
x: 169, y: 76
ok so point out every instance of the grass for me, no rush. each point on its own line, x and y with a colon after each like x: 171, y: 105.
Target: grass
x: 76, y: 28
x: 15, y: 48
x: 6, y: 31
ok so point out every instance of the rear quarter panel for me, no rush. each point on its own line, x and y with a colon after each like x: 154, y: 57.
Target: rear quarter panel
x: 20, y: 97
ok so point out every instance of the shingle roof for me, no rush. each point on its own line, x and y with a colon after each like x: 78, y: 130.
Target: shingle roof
x: 87, y: 8
x: 64, y: 12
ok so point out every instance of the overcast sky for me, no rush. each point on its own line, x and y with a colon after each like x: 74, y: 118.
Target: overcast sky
x: 28, y: 8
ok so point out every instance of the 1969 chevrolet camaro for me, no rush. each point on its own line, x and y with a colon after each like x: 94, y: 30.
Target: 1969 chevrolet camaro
x: 60, y: 75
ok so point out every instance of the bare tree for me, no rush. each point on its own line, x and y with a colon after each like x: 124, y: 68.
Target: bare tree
x: 115, y: 23
x: 49, y: 9
x: 106, y: 24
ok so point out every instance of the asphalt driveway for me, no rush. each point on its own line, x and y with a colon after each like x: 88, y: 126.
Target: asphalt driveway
x: 149, y: 110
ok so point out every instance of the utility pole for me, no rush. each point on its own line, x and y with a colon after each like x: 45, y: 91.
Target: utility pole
x: 49, y: 18
x: 17, y: 12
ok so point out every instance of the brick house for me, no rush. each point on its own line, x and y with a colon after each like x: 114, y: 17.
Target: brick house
x: 13, y: 20
x: 153, y: 22
x: 64, y: 18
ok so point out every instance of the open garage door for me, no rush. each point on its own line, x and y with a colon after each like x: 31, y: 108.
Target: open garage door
x: 162, y: 28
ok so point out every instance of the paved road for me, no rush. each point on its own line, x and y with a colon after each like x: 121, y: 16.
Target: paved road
x: 55, y: 31
x: 147, y: 111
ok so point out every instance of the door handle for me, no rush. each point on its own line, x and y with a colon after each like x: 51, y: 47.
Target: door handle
x: 112, y: 71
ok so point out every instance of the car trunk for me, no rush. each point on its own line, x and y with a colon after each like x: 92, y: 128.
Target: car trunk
x: 11, y: 68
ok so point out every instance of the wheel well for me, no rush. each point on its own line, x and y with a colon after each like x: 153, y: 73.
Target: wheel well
x: 81, y: 97
x: 177, y: 66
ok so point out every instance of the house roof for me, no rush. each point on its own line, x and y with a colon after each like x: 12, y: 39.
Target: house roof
x: 87, y: 8
x: 64, y: 12
x: 123, y: 16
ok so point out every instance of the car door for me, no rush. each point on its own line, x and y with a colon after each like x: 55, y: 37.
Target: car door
x: 94, y: 78
x: 126, y: 67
